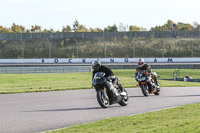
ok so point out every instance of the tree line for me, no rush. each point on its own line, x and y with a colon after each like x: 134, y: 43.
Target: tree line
x: 77, y: 27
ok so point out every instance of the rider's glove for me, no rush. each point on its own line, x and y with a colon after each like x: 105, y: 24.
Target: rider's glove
x: 135, y: 75
x: 92, y: 86
x: 108, y: 78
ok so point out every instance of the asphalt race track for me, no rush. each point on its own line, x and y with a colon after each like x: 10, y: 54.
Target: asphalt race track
x: 37, y: 112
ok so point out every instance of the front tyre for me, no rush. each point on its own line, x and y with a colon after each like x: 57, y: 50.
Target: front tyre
x: 124, y: 100
x: 157, y: 91
x: 145, y: 89
x: 102, y: 99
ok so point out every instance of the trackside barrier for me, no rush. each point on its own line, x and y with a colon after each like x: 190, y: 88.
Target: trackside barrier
x: 176, y: 77
x: 103, y: 60
x: 187, y: 80
x: 57, y: 69
x: 176, y: 74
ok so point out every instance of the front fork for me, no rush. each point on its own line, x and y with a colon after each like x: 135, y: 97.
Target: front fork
x: 105, y: 93
x: 150, y: 86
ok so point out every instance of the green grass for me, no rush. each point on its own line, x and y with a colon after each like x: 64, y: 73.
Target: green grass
x: 168, y: 73
x: 183, y: 119
x: 16, y: 83
x: 20, y: 83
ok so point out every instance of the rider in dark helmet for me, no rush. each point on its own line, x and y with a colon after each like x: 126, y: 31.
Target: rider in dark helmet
x: 98, y: 67
x: 143, y: 66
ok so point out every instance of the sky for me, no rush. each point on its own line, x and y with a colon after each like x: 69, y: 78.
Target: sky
x: 97, y: 13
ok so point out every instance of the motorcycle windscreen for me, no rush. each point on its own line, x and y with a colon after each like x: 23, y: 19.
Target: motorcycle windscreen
x: 141, y: 76
x: 98, y: 78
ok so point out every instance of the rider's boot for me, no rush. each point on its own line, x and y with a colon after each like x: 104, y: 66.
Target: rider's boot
x: 156, y: 81
x: 123, y: 93
x: 158, y: 86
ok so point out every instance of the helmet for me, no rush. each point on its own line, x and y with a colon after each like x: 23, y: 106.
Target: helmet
x: 141, y: 62
x: 96, y: 65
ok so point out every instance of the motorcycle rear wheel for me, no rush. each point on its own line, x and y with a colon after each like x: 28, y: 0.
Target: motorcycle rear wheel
x: 102, y: 100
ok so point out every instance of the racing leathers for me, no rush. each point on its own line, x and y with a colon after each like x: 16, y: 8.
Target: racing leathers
x: 108, y: 72
x: 148, y: 68
x: 109, y: 75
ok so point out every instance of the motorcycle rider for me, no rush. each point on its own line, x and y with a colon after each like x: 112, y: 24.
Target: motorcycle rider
x: 98, y: 67
x: 143, y: 66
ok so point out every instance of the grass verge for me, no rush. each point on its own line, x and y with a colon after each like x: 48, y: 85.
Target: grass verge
x: 183, y: 119
x: 20, y: 83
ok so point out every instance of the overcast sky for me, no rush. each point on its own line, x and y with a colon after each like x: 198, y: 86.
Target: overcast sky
x: 97, y: 13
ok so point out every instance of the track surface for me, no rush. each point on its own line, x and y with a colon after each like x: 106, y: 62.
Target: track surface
x: 36, y: 112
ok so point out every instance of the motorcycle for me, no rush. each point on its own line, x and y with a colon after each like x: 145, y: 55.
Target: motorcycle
x: 147, y: 83
x: 107, y: 92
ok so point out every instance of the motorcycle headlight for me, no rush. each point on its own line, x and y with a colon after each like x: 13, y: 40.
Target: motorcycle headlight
x: 143, y: 78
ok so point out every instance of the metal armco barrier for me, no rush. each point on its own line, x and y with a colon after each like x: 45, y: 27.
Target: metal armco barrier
x: 45, y: 69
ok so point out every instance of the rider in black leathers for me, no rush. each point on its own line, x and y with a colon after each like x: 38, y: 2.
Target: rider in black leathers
x: 108, y: 72
x: 98, y: 67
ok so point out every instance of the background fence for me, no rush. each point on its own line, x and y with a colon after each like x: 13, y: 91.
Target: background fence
x: 100, y: 44
x: 98, y: 35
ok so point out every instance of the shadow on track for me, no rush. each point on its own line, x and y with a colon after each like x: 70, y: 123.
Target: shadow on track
x: 186, y: 96
x: 70, y: 109
x: 134, y: 96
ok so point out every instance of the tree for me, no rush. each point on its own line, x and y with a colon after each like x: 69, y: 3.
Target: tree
x: 184, y: 27
x: 169, y: 26
x: 5, y: 30
x: 111, y: 28
x: 48, y: 31
x: 67, y: 29
x: 36, y: 28
x: 82, y: 28
x: 166, y: 27
x: 17, y: 28
x: 1, y: 29
x: 135, y: 28
x: 76, y: 25
x: 96, y: 30
x: 159, y: 28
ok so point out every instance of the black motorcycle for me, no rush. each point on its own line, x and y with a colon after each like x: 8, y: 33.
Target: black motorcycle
x: 108, y: 92
x: 146, y: 83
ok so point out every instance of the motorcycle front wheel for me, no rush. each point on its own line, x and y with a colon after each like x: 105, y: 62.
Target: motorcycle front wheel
x: 157, y: 92
x: 102, y: 99
x: 124, y: 100
x: 145, y: 89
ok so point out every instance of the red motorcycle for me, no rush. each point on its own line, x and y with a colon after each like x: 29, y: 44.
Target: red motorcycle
x: 147, y: 83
